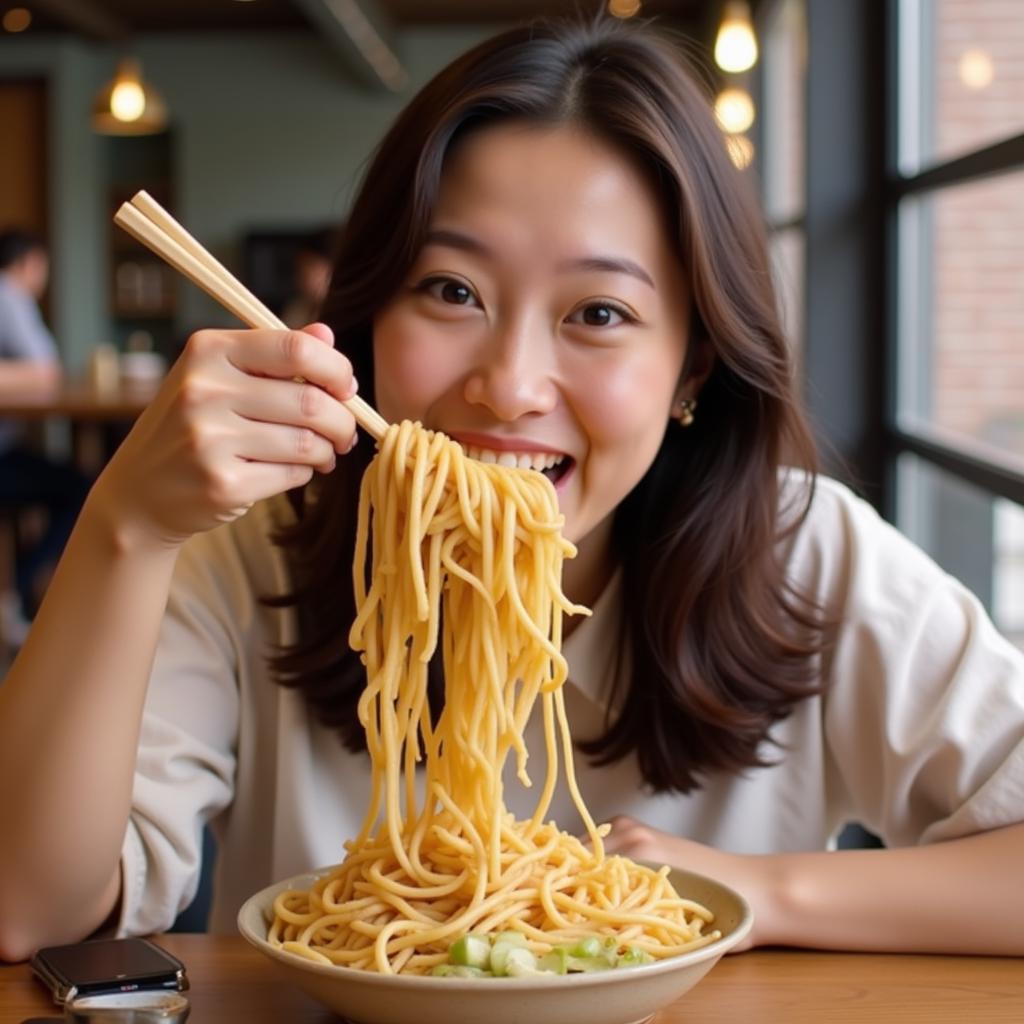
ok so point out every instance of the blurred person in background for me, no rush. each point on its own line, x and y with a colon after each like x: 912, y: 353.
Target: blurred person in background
x: 29, y: 360
x: 313, y: 264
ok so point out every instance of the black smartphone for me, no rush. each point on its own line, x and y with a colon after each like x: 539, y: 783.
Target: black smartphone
x: 107, y: 965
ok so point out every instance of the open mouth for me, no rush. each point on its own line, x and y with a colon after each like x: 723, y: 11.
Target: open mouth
x: 554, y: 466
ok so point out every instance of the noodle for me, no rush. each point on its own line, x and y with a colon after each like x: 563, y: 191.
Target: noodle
x: 468, y: 555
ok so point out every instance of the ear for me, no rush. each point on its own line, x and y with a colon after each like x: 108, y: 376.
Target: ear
x: 697, y: 367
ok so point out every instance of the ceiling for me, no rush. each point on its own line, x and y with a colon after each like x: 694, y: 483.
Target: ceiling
x: 110, y: 18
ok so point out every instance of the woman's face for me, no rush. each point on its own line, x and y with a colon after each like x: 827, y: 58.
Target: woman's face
x: 545, y: 319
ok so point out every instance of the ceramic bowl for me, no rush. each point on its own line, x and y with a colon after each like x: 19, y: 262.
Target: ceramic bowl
x: 626, y: 996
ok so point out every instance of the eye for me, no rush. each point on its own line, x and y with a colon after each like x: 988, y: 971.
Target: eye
x: 601, y: 314
x: 449, y: 290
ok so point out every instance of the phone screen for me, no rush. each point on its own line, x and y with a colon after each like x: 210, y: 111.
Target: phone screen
x: 109, y: 965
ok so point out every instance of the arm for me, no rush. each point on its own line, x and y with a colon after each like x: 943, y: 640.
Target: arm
x: 69, y: 719
x: 229, y: 427
x: 959, y: 896
x: 28, y: 374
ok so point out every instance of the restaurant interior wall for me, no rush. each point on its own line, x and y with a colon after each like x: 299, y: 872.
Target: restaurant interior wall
x: 269, y: 131
x: 78, y: 291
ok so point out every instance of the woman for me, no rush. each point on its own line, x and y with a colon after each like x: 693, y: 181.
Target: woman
x: 551, y: 259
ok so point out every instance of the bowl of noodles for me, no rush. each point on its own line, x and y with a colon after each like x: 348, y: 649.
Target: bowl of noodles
x: 616, y: 996
x: 446, y: 907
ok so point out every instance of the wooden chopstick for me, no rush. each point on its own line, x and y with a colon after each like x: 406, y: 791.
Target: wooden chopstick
x: 145, y: 203
x: 147, y: 221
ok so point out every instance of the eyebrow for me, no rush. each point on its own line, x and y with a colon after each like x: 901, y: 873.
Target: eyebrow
x: 599, y: 264
x: 609, y: 264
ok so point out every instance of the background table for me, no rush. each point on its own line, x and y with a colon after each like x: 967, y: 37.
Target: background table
x: 78, y: 400
x: 99, y: 417
x: 232, y: 982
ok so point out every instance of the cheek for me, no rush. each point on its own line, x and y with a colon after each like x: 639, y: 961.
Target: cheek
x: 410, y: 371
x: 628, y: 403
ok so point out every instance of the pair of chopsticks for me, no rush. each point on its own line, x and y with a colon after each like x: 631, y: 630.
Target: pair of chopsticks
x: 147, y: 221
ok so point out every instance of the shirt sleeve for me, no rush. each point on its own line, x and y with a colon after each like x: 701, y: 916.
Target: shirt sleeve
x: 186, y: 757
x: 23, y: 334
x: 924, y: 707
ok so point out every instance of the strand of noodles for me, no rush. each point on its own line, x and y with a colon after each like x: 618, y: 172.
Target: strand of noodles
x: 466, y: 557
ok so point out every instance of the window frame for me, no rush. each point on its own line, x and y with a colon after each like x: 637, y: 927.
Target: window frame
x: 853, y: 193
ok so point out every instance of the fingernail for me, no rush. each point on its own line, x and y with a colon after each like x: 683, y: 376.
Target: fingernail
x: 352, y: 389
x: 355, y: 439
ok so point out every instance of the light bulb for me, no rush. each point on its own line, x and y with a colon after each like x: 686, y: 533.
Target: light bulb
x: 17, y: 19
x: 623, y: 8
x: 127, y: 101
x: 735, y: 44
x: 735, y: 110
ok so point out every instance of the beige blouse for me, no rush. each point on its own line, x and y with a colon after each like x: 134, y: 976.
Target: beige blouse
x: 919, y: 735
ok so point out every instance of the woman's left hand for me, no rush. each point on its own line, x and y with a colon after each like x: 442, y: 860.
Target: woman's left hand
x: 748, y: 874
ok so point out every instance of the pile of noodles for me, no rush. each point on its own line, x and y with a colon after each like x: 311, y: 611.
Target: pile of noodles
x: 468, y: 554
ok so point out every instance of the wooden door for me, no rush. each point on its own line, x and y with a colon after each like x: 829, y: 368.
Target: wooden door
x: 23, y: 165
x: 23, y: 154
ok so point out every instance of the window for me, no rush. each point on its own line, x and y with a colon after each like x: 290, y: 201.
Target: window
x: 961, y: 77
x: 957, y: 416
x: 961, y: 299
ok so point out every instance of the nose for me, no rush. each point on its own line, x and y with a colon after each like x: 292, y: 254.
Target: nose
x: 513, y: 376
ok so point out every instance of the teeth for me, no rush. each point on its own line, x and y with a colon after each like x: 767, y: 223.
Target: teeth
x: 520, y: 460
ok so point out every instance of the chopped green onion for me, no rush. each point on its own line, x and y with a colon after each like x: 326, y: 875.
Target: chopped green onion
x: 459, y: 971
x: 504, y: 944
x: 520, y: 962
x: 589, y: 946
x: 588, y: 964
x: 471, y: 951
x: 632, y: 957
x: 557, y: 961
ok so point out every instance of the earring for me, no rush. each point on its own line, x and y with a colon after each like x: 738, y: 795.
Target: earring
x: 687, y: 407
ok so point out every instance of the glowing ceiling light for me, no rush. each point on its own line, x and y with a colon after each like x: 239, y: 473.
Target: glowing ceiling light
x: 17, y: 19
x: 128, y: 101
x: 127, y: 106
x: 735, y: 110
x: 736, y: 44
x: 623, y: 8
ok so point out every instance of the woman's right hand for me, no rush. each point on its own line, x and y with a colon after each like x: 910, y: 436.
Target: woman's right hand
x: 229, y: 426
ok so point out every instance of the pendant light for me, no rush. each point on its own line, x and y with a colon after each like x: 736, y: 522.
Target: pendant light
x: 736, y: 44
x: 127, y: 105
x: 734, y: 108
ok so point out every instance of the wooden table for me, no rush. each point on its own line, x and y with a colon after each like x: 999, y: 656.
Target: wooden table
x: 99, y: 417
x: 78, y: 400
x: 232, y: 982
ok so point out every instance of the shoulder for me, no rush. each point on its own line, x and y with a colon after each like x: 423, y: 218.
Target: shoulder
x: 837, y: 546
x: 23, y: 335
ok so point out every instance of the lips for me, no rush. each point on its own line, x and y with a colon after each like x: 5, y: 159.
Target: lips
x: 520, y: 453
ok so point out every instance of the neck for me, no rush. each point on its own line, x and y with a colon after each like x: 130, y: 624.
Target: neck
x: 585, y: 576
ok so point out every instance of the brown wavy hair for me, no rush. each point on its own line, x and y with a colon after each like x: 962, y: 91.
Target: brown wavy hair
x: 719, y: 645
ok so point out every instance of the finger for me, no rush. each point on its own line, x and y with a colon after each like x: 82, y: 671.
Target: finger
x: 321, y: 332
x: 260, y: 480
x: 275, y: 442
x: 290, y: 354
x: 298, y: 405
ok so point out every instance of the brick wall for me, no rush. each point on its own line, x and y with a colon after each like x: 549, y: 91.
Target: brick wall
x: 978, y: 251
